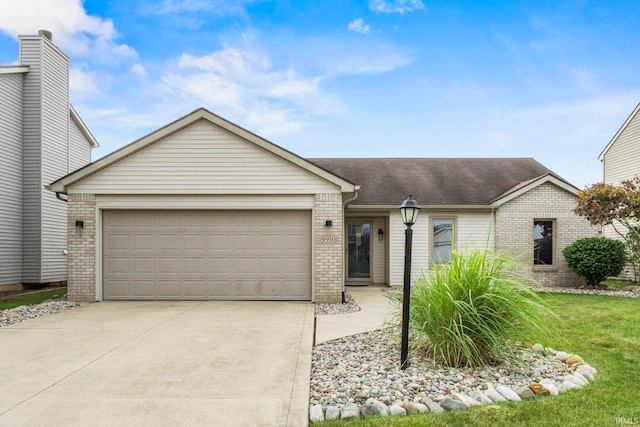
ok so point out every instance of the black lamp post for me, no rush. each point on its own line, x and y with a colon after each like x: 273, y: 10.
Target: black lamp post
x: 409, y: 211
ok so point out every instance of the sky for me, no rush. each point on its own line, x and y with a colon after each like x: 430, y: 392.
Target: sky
x: 552, y: 80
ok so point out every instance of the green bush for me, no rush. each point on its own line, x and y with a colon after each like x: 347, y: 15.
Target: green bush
x: 466, y: 311
x: 596, y: 258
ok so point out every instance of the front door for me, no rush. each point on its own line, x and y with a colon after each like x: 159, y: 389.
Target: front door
x: 359, y: 251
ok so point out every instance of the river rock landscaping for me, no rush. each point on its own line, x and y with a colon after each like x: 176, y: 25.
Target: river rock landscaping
x: 26, y: 312
x: 359, y: 376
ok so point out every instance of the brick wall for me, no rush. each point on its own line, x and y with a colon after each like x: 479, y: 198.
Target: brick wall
x: 327, y: 247
x: 81, y: 247
x: 514, y: 230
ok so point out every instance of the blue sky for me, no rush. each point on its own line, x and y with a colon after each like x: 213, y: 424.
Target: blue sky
x: 553, y: 80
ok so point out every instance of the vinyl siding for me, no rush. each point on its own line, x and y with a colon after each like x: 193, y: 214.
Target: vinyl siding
x: 79, y: 148
x: 55, y: 161
x: 378, y: 259
x: 204, y: 159
x: 473, y: 230
x: 45, y: 158
x: 11, y: 178
x: 622, y: 160
x: 419, y: 251
x: 30, y: 54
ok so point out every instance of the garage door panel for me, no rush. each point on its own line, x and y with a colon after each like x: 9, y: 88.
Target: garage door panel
x: 207, y: 255
x: 169, y: 265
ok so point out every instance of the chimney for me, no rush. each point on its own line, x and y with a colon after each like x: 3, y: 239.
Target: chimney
x: 46, y: 33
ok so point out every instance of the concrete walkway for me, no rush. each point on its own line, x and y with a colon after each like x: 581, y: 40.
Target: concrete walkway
x: 375, y: 310
x: 159, y: 363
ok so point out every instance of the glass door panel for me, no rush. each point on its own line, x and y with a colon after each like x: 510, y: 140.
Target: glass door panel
x: 359, y: 241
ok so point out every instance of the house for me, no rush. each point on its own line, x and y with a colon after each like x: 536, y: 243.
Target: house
x: 41, y: 139
x: 204, y: 209
x: 621, y: 161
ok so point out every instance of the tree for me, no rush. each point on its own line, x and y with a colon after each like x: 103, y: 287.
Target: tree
x: 617, y: 206
x: 596, y: 258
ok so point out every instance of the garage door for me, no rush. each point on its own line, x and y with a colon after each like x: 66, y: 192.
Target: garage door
x: 206, y: 255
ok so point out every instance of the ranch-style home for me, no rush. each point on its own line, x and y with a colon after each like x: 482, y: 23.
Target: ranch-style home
x: 41, y: 139
x: 203, y: 209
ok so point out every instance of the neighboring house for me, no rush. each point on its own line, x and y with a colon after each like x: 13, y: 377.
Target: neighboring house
x: 204, y: 209
x: 41, y: 139
x: 621, y: 161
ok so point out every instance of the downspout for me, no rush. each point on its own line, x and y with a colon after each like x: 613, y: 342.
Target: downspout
x: 344, y: 206
x: 59, y: 197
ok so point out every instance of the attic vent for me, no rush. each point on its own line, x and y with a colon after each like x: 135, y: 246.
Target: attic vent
x: 46, y: 33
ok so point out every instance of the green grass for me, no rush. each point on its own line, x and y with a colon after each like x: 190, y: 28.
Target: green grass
x: 605, y: 331
x: 32, y: 298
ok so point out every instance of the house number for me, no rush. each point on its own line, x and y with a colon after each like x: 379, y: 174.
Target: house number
x: 328, y: 239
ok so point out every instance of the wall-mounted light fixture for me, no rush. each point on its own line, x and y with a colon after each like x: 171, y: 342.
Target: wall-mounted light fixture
x: 328, y: 223
x: 380, y: 234
x: 79, y: 224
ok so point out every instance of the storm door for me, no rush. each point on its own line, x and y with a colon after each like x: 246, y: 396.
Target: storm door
x: 359, y: 251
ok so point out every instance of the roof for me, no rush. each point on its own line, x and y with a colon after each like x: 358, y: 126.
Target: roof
x: 622, y: 128
x: 62, y: 184
x: 439, y: 181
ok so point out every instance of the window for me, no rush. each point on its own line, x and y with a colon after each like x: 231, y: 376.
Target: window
x: 543, y: 242
x: 442, y: 239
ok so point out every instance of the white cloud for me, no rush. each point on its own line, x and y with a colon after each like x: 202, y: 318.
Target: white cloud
x: 244, y: 85
x: 359, y: 26
x: 82, y: 84
x: 139, y: 70
x: 395, y: 6
x: 74, y: 31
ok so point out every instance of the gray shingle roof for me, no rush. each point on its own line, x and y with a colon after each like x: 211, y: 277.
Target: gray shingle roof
x: 433, y: 181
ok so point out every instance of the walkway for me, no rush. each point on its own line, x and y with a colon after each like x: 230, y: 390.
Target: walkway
x: 375, y: 309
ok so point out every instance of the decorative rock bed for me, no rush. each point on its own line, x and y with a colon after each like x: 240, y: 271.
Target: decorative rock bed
x: 349, y: 306
x: 26, y: 312
x: 359, y: 376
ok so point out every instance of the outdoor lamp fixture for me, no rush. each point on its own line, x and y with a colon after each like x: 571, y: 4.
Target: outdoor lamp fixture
x: 409, y: 211
x: 380, y: 234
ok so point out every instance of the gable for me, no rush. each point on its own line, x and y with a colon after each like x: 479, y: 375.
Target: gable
x: 203, y: 158
x: 621, y: 158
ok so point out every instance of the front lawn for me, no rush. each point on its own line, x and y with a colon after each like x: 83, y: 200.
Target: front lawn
x: 605, y: 331
x: 32, y: 298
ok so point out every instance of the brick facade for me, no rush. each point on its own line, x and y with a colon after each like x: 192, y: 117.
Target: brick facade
x: 514, y: 230
x: 328, y: 268
x: 81, y: 247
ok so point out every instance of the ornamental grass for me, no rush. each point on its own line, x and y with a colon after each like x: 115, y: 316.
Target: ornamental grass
x: 466, y: 312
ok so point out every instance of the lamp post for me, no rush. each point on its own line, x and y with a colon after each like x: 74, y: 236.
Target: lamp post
x: 409, y: 211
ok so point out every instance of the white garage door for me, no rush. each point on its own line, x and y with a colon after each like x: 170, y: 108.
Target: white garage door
x: 206, y: 255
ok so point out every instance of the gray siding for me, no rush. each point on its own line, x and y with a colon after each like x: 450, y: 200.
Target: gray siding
x: 55, y: 161
x: 30, y: 54
x: 45, y: 154
x: 11, y: 178
x: 79, y: 148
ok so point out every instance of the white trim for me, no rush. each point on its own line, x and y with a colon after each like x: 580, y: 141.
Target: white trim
x: 83, y: 128
x: 99, y: 260
x: 622, y: 128
x: 533, y: 184
x: 207, y: 202
x: 13, y: 69
x: 62, y: 184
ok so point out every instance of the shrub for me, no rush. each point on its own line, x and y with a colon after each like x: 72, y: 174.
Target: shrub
x: 596, y: 258
x: 466, y: 311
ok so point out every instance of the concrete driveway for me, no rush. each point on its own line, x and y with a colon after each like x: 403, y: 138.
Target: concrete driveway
x: 159, y: 363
